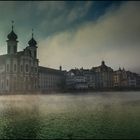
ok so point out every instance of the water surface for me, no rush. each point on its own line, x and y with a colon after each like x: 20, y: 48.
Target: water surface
x: 71, y: 116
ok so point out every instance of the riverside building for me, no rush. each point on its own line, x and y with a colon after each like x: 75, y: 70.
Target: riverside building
x: 20, y: 71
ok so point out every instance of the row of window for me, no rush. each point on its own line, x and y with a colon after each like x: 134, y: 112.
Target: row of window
x: 45, y: 85
x: 2, y: 84
x: 7, y: 83
x: 21, y: 68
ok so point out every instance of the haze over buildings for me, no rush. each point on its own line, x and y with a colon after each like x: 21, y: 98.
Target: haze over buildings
x: 76, y: 34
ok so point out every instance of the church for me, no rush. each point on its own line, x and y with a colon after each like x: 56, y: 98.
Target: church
x: 20, y: 71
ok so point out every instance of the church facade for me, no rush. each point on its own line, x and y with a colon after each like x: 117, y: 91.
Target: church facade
x: 20, y: 71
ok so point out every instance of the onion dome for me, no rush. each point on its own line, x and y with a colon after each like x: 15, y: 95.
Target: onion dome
x: 12, y: 36
x: 32, y: 41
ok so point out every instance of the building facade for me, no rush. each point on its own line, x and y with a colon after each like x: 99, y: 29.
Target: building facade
x: 103, y: 76
x: 20, y: 71
x: 75, y: 79
x: 100, y: 77
x: 50, y: 79
x: 126, y: 79
x: 120, y: 78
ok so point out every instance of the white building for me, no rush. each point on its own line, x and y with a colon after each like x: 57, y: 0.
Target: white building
x: 76, y: 80
x: 20, y: 71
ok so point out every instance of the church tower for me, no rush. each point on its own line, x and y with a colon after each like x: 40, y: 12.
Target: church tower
x: 33, y: 46
x: 12, y: 42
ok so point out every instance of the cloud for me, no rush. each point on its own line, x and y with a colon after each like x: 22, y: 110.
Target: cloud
x: 61, y: 15
x: 114, y: 37
x: 70, y: 34
x: 46, y: 17
x: 78, y: 11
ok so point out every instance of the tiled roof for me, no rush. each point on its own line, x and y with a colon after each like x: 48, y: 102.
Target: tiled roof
x: 103, y: 68
x: 50, y: 70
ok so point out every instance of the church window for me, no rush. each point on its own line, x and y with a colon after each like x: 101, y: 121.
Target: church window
x: 15, y: 81
x: 15, y: 67
x: 27, y: 68
x: 7, y: 82
x: 7, y: 67
x: 15, y: 49
x: 34, y: 53
x: 21, y: 68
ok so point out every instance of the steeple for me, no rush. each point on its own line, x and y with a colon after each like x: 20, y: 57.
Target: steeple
x: 32, y: 33
x: 12, y: 25
x: 33, y: 46
x: 12, y: 41
x: 32, y: 41
x: 12, y: 35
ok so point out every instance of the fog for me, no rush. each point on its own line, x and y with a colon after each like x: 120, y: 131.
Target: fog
x: 70, y: 116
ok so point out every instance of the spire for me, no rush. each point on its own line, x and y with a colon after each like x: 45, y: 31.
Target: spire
x: 32, y: 41
x: 12, y: 35
x: 12, y: 25
x: 32, y: 33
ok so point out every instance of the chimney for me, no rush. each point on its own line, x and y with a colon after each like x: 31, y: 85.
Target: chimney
x: 60, y: 68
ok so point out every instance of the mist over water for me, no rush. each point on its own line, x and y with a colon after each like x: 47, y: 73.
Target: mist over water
x: 85, y: 115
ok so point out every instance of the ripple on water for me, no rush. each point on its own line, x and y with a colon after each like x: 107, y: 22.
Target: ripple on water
x: 105, y: 115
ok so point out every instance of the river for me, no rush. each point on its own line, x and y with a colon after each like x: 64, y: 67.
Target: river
x: 71, y: 116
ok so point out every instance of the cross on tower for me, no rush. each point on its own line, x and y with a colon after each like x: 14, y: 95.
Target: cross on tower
x: 12, y: 25
x: 32, y: 33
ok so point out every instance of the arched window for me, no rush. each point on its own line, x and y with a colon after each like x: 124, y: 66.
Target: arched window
x: 27, y: 68
x: 21, y: 68
x: 15, y: 67
x: 14, y: 83
x: 7, y: 67
x: 35, y: 54
x: 7, y: 83
x: 15, y: 49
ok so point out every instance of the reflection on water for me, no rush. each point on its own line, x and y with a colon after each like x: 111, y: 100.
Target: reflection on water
x: 89, y: 115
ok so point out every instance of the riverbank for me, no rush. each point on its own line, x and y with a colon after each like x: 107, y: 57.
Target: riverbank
x: 74, y: 91
x: 101, y: 90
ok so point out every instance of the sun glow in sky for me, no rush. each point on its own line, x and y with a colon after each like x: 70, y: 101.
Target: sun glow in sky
x: 76, y: 34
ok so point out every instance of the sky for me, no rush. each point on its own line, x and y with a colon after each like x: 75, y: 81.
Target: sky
x: 76, y: 33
